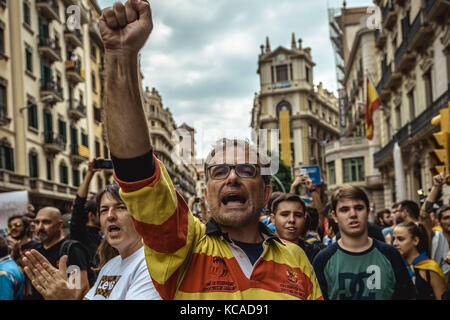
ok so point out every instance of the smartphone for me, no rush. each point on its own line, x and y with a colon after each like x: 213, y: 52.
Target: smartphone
x: 303, y: 172
x: 103, y: 164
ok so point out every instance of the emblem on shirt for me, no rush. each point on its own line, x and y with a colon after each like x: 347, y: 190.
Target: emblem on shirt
x: 219, y: 267
x: 292, y: 276
x: 106, y: 285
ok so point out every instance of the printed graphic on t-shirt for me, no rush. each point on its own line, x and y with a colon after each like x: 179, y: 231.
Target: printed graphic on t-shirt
x: 106, y: 285
x: 358, y: 277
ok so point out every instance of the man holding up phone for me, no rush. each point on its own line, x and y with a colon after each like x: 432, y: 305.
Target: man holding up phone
x: 84, y: 223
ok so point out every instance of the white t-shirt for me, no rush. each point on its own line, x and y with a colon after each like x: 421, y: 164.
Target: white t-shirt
x: 126, y: 279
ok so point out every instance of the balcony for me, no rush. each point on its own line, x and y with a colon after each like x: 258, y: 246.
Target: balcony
x: 49, y: 49
x: 437, y: 10
x: 404, y: 58
x: 48, y: 9
x: 389, y: 16
x: 53, y: 143
x: 52, y: 91
x: 78, y: 154
x: 423, y: 120
x: 76, y: 113
x: 420, y: 34
x: 74, y: 72
x: 4, y: 119
x: 382, y: 88
x: 416, y: 129
x: 75, y: 38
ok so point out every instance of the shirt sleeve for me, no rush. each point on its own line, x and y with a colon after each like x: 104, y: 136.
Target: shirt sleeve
x: 78, y: 221
x: 77, y: 257
x: 319, y: 263
x: 6, y: 286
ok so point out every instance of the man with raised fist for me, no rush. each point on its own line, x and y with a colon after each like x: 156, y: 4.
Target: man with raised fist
x: 233, y: 256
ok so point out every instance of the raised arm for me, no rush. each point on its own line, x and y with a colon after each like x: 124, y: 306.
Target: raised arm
x: 438, y: 182
x: 124, y: 30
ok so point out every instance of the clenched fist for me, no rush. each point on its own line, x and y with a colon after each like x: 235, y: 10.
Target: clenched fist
x: 126, y: 26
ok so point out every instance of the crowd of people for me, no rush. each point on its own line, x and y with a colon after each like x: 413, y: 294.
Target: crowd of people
x: 138, y: 239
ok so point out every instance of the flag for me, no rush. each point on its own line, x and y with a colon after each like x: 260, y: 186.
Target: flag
x: 83, y: 151
x: 372, y: 104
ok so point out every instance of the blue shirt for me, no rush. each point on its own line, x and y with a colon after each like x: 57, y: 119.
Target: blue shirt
x: 12, y: 280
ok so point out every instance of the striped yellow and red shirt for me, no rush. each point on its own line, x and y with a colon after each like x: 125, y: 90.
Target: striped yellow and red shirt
x: 190, y: 260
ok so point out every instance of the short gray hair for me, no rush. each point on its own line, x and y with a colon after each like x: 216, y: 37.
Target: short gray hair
x: 262, y: 159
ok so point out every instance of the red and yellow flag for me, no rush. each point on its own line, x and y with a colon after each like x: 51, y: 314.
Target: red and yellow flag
x: 372, y: 104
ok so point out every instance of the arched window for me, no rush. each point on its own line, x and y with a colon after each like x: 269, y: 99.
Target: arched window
x: 6, y: 155
x: 63, y: 173
x: 33, y: 163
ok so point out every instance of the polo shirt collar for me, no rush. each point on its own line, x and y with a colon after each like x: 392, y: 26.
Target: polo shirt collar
x: 213, y: 229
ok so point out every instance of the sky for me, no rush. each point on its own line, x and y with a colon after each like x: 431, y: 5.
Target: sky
x: 202, y: 56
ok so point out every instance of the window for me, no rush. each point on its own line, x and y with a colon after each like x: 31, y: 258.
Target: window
x: 388, y: 127
x: 310, y: 105
x: 331, y: 173
x: 307, y: 74
x: 84, y: 139
x: 353, y: 169
x: 29, y: 59
x: 62, y: 129
x: 398, y: 116
x: 32, y: 115
x: 63, y: 173
x: 152, y: 109
x: 94, y: 52
x: 282, y: 73
x: 76, y: 177
x: 3, y: 97
x: 33, y: 164
x: 105, y: 151
x: 6, y: 157
x: 97, y: 149
x: 26, y: 13
x: 428, y: 88
x: 412, y: 111
x: 272, y: 74
x: 2, y: 39
x: 94, y: 82
x: 97, y: 113
x: 49, y: 170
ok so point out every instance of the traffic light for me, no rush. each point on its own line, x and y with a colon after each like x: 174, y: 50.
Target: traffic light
x: 198, y: 174
x: 440, y: 156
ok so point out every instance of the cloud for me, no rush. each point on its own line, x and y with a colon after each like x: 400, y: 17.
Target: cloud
x: 202, y: 55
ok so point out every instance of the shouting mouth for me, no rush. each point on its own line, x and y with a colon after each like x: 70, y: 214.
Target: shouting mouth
x: 233, y: 200
x: 113, y: 230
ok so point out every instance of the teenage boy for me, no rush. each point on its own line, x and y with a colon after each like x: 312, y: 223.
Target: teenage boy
x: 358, y: 267
x: 291, y: 221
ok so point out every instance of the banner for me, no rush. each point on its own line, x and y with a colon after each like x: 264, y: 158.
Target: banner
x: 12, y: 203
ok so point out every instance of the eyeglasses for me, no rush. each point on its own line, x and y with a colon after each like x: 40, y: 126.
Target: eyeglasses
x: 17, y: 225
x: 222, y: 171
